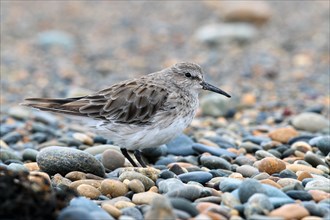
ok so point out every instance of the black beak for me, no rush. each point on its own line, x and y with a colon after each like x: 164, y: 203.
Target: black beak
x: 211, y: 88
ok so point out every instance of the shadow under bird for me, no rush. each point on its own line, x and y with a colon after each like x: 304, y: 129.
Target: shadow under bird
x: 141, y: 113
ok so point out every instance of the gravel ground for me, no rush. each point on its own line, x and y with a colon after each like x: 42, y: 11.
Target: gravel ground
x: 263, y: 154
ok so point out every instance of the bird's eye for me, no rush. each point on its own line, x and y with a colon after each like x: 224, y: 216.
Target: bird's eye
x: 187, y: 74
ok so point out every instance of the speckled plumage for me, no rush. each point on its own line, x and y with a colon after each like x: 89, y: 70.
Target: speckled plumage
x: 139, y: 113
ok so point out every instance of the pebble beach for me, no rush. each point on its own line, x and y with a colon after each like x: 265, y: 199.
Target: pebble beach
x: 264, y: 154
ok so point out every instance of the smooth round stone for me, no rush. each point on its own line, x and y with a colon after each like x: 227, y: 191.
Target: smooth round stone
x: 261, y: 176
x: 311, y: 122
x: 184, y: 205
x: 299, y: 195
x: 250, y: 147
x: 112, y: 159
x: 136, y: 186
x: 114, y: 188
x: 165, y: 161
x: 176, y: 169
x: 261, y: 154
x: 181, y: 145
x: 197, y: 176
x: 301, y: 167
x: 8, y: 155
x: 324, y: 168
x: 83, y: 138
x: 248, y: 188
x: 283, y: 182
x: 75, y: 175
x: 12, y: 137
x: 313, y: 159
x: 15, y: 167
x: 99, y: 149
x: 258, y: 204
x: 271, y: 165
x: 124, y: 204
x: 166, y: 174
x: 74, y: 213
x: 288, y: 174
x: 283, y: 135
x: 94, y: 183
x: 229, y: 184
x: 130, y: 175
x: 247, y: 170
x: 63, y: 160
x: 88, y: 191
x: 39, y: 137
x: 84, y: 203
x: 160, y: 209
x: 290, y: 211
x: 213, y: 162
x: 145, y: 197
x: 229, y: 200
x: 319, y: 185
x: 201, y: 148
x: 243, y: 160
x: 212, y: 199
x: 155, y: 152
x: 112, y: 210
x: 30, y: 154
x: 322, y: 143
x: 133, y: 212
x: 169, y: 185
x: 188, y: 192
x: 101, y: 214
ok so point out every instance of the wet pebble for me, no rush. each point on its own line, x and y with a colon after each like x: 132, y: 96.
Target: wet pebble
x: 201, y: 148
x: 181, y: 145
x: 64, y: 160
x: 197, y: 176
x: 322, y: 143
x: 213, y: 162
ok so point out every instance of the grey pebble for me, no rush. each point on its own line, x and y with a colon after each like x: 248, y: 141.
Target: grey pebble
x: 201, y: 148
x: 15, y: 167
x: 181, y: 145
x: 248, y: 188
x: 322, y: 143
x: 74, y: 213
x: 229, y: 184
x: 313, y: 159
x: 258, y: 204
x: 12, y: 137
x: 250, y: 147
x: 130, y: 175
x: 301, y: 195
x: 184, y: 205
x: 187, y: 191
x: 30, y: 154
x: 287, y: 174
x: 169, y: 185
x: 247, y: 170
x: 213, y: 162
x: 133, y: 212
x: 63, y: 160
x: 198, y: 176
x: 8, y: 154
x: 309, y: 121
x: 99, y: 149
x: 112, y: 159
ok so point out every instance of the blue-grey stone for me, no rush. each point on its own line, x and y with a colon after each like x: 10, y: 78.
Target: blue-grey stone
x: 213, y: 162
x: 258, y: 204
x: 63, y: 160
x: 30, y: 154
x: 197, y: 176
x: 155, y: 152
x: 84, y: 203
x: 288, y: 174
x: 55, y: 38
x: 8, y: 154
x: 222, y: 142
x: 229, y: 184
x: 74, y: 213
x: 182, y: 145
x: 248, y: 188
x: 133, y: 212
x: 12, y: 137
x: 169, y: 185
x: 17, y: 167
x: 165, y: 161
x: 299, y: 195
x: 189, y: 192
x: 255, y: 139
x: 201, y: 148
x: 322, y: 143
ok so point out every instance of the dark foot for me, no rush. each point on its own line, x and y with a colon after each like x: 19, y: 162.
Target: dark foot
x: 138, y: 156
x: 125, y: 153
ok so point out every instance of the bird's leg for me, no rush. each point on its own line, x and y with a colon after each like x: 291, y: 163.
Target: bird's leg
x: 138, y: 156
x: 125, y: 153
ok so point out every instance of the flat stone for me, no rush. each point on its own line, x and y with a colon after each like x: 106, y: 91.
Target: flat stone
x: 283, y: 135
x: 309, y: 121
x: 197, y: 176
x: 213, y: 162
x: 63, y: 160
x: 88, y: 191
x: 290, y: 211
x: 145, y: 197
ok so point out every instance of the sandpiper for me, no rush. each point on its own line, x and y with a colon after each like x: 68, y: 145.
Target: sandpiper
x: 141, y: 113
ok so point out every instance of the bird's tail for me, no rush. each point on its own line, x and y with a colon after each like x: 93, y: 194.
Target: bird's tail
x: 60, y: 105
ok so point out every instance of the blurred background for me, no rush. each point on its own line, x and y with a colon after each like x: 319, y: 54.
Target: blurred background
x: 266, y: 54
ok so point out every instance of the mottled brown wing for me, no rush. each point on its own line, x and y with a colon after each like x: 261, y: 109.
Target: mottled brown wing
x: 131, y: 102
